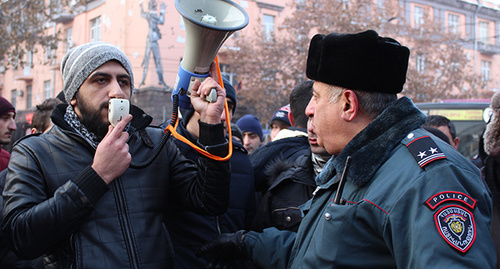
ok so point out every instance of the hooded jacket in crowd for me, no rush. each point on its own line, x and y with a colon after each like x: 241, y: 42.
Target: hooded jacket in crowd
x: 292, y: 184
x: 287, y: 148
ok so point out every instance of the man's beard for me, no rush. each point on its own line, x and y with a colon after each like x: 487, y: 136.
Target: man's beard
x: 92, y: 118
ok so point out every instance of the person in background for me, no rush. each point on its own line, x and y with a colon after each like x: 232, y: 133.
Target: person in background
x: 188, y: 230
x: 40, y: 123
x: 292, y: 184
x: 444, y: 125
x: 7, y: 128
x: 9, y: 259
x: 74, y: 195
x: 252, y: 132
x: 289, y: 143
x: 491, y: 168
x: 280, y: 120
x: 392, y: 196
x: 438, y: 133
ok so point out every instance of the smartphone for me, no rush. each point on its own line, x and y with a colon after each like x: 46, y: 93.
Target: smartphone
x: 118, y: 108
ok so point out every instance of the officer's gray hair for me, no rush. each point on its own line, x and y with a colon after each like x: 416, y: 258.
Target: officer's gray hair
x: 372, y: 103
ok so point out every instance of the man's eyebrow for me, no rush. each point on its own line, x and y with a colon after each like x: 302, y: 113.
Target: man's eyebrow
x: 100, y: 74
x: 124, y: 76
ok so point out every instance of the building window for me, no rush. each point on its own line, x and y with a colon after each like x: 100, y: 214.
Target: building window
x: 485, y: 70
x: 484, y: 32
x: 69, y: 39
x: 226, y: 71
x: 47, y: 89
x: 28, y: 64
x: 419, y: 16
x: 50, y: 53
x: 95, y: 29
x: 29, y: 94
x: 268, y: 25
x: 420, y: 63
x: 13, y: 97
x: 453, y: 23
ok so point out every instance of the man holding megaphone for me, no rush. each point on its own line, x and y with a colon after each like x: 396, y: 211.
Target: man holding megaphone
x: 71, y: 194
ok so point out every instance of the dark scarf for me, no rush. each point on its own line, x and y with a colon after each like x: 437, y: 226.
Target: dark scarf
x: 372, y: 146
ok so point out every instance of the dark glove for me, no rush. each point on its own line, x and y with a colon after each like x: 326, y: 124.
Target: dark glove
x: 225, y: 248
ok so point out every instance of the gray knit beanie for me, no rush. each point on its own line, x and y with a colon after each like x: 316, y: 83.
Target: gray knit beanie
x: 81, y: 61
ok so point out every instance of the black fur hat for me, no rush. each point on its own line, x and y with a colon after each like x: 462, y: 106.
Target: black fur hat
x: 362, y: 61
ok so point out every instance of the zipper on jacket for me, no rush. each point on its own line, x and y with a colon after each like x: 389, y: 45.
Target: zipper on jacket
x: 125, y: 224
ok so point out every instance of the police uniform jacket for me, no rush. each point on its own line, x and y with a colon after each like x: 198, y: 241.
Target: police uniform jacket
x: 410, y: 201
x: 55, y: 204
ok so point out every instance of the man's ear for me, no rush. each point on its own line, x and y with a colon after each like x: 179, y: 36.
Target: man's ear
x: 350, y: 106
x: 456, y: 141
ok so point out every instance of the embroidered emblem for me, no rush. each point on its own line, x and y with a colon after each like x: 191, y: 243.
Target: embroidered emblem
x: 425, y: 150
x: 456, y: 225
x: 447, y: 196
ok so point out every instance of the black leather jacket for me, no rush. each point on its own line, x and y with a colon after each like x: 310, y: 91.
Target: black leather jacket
x: 57, y: 205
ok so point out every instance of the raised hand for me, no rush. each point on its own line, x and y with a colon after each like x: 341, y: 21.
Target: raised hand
x: 112, y: 157
x: 209, y: 112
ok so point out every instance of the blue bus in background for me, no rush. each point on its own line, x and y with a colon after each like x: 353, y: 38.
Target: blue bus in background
x: 468, y: 116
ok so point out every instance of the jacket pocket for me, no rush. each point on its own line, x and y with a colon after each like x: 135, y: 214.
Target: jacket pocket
x: 286, y: 218
x: 169, y: 246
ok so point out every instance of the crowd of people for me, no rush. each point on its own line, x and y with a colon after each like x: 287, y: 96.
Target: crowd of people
x: 351, y: 177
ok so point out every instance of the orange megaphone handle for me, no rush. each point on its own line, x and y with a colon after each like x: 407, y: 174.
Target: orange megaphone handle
x: 173, y: 129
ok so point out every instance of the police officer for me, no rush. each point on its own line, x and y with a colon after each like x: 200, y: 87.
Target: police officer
x: 407, y: 199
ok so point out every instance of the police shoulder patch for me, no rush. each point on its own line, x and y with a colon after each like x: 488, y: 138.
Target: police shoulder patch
x: 457, y: 227
x: 425, y: 150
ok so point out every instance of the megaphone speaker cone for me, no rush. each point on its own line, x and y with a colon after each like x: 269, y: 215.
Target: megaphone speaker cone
x: 208, y: 24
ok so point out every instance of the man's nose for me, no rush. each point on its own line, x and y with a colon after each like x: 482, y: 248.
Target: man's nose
x: 116, y: 91
x: 12, y: 125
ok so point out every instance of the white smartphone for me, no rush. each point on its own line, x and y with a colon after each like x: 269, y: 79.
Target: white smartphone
x: 118, y: 108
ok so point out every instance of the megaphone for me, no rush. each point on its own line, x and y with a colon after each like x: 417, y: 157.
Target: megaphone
x: 208, y: 24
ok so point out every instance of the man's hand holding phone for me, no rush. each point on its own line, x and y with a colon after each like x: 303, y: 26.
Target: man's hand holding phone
x: 112, y: 155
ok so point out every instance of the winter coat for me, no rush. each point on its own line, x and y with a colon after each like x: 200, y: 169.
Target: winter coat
x: 189, y: 230
x: 289, y: 189
x: 410, y: 201
x: 7, y: 258
x: 289, y: 148
x: 57, y: 205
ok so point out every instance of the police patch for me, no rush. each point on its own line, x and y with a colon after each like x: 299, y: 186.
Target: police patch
x: 450, y: 196
x: 425, y: 150
x: 456, y: 225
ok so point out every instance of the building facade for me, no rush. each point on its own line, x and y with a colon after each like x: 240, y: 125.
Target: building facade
x: 476, y: 22
x: 123, y: 24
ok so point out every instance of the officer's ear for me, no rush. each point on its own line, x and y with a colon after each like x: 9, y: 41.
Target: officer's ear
x: 350, y: 105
